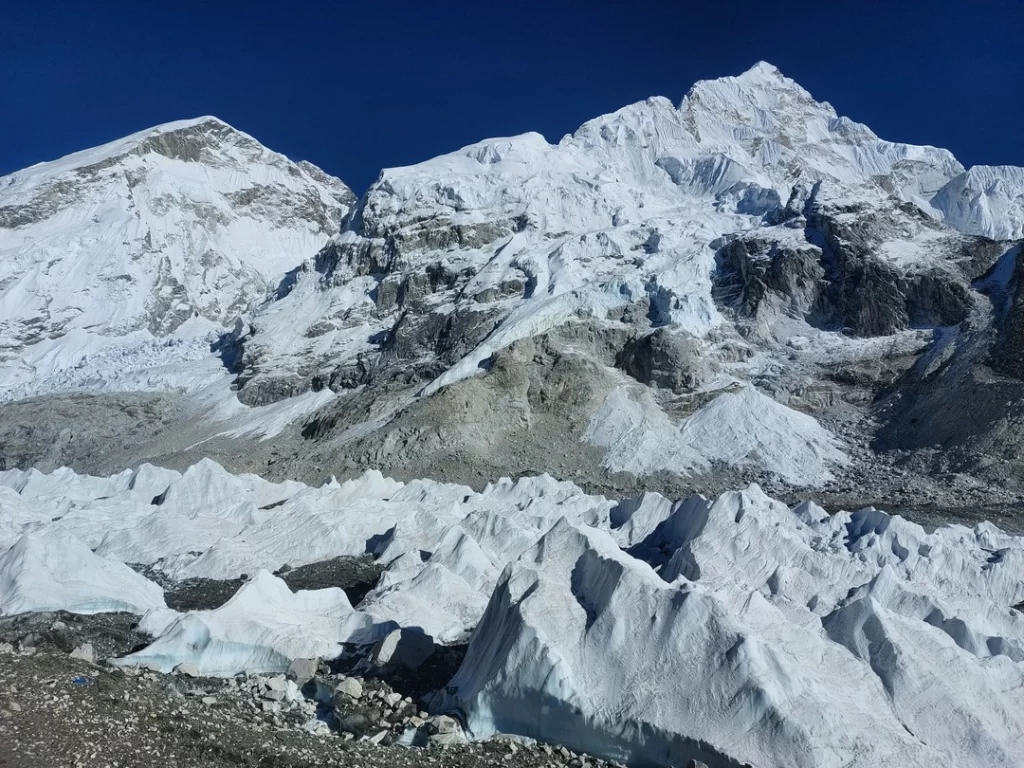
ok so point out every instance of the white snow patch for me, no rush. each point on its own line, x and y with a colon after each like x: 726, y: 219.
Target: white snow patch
x: 742, y: 429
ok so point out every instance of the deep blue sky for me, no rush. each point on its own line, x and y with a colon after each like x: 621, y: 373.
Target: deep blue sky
x: 354, y: 87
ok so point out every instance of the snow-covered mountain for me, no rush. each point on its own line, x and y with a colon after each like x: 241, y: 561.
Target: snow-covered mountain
x: 743, y: 286
x: 171, y: 231
x: 749, y: 238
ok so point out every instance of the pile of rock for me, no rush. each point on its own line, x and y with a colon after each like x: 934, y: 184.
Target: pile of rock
x: 359, y: 709
x: 312, y: 698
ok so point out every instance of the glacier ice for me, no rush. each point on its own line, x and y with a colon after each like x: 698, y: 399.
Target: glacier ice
x: 645, y: 630
x: 262, y: 628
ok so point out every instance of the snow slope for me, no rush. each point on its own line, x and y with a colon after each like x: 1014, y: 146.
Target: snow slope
x: 172, y: 231
x: 738, y: 630
x: 985, y: 200
x: 743, y: 428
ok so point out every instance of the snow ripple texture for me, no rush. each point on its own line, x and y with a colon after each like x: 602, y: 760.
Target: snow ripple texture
x: 645, y: 630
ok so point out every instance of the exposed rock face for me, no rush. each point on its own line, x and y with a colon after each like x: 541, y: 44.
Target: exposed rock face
x: 836, y: 275
x: 1008, y: 351
x: 665, y: 359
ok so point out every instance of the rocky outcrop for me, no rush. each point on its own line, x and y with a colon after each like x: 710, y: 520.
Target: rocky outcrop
x: 1008, y: 351
x: 663, y: 358
x: 836, y: 273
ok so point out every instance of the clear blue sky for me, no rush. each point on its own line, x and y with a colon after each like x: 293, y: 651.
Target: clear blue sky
x: 354, y: 87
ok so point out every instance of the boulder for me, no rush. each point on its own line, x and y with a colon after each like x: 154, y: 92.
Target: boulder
x: 667, y: 359
x: 302, y: 670
x: 188, y: 669
x: 404, y: 648
x: 85, y: 652
x: 355, y: 724
x: 349, y: 687
x: 276, y: 683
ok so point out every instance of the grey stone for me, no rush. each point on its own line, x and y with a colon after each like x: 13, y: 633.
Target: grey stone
x: 445, y: 724
x: 188, y: 669
x: 276, y: 683
x: 302, y: 670
x: 665, y: 358
x: 349, y: 687
x: 404, y: 648
x: 448, y: 739
x: 316, y: 727
x: 355, y: 723
x: 85, y: 652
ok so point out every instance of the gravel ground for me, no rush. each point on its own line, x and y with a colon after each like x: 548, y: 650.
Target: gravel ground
x: 60, y: 711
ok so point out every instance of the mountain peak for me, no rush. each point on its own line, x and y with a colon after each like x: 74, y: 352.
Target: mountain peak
x: 761, y: 70
x: 181, y: 125
x: 763, y: 85
x: 186, y: 220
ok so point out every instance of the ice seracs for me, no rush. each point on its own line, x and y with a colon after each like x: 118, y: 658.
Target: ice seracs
x: 736, y: 629
x: 48, y: 570
x: 261, y: 629
x: 741, y: 647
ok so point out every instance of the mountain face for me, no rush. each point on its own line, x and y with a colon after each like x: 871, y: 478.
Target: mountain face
x: 725, y: 285
x: 176, y: 229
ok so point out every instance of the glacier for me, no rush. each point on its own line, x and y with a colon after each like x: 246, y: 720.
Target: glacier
x: 731, y: 630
